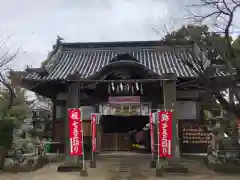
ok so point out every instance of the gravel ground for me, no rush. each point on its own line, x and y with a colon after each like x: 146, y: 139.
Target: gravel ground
x: 123, y: 166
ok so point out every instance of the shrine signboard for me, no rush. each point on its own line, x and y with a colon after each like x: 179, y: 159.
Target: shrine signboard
x: 164, y: 134
x: 194, y: 138
x: 124, y: 100
x: 75, y: 132
x: 125, y: 109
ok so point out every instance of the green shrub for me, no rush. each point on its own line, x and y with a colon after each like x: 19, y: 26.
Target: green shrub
x: 6, y: 132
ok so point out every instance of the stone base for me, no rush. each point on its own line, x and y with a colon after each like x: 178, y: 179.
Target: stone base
x: 153, y: 164
x: 159, y: 172
x: 226, y: 168
x: 175, y: 169
x: 84, y: 172
x: 28, y: 165
x: 171, y: 169
x: 70, y: 167
x: 41, y: 162
x: 93, y: 164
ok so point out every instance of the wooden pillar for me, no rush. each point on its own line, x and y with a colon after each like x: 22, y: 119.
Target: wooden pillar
x: 99, y: 136
x: 54, y: 124
x: 53, y: 118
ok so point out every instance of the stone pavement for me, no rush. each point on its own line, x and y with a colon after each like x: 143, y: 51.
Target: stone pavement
x: 120, y: 167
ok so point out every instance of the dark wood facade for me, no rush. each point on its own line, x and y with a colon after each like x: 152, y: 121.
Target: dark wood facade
x: 115, y: 141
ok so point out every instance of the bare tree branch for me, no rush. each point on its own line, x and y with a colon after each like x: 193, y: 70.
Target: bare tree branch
x: 5, y: 58
x: 10, y: 90
x: 221, y: 14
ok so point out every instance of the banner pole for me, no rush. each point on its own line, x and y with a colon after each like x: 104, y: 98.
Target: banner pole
x: 83, y: 163
x: 151, y: 126
x: 83, y: 172
x: 94, y: 140
x: 92, y: 131
x: 158, y: 134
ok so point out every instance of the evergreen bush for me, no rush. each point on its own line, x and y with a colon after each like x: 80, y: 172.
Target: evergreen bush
x: 6, y: 138
x: 6, y: 132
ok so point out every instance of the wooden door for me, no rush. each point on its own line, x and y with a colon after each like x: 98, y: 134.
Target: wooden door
x: 108, y: 142
x: 115, y: 142
x: 123, y: 142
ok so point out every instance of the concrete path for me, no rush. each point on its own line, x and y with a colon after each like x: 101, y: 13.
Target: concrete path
x: 120, y: 166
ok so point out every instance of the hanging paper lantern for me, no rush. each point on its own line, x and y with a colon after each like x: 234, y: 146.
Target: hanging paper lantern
x: 117, y: 89
x: 109, y: 89
x: 128, y: 88
x: 137, y: 87
x: 141, y: 89
x: 121, y: 86
x: 113, y: 88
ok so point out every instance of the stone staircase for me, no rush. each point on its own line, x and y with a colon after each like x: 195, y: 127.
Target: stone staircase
x: 127, y: 166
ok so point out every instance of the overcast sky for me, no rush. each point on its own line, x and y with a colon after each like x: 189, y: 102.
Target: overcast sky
x: 33, y: 25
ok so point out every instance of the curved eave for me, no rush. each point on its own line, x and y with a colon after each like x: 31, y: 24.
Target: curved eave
x: 115, y: 66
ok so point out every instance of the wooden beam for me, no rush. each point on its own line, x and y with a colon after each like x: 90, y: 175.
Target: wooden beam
x: 120, y: 81
x: 40, y: 71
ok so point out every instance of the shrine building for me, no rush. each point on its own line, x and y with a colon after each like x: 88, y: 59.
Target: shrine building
x: 123, y: 82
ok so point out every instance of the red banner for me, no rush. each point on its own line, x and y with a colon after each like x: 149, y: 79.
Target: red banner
x: 238, y: 126
x: 165, y: 133
x: 151, y: 132
x: 94, y: 141
x: 75, y: 132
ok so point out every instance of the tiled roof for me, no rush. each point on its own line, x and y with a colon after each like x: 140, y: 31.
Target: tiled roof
x: 89, y: 58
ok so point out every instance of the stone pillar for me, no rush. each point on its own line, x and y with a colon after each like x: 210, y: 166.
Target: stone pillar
x: 169, y: 96
x: 72, y: 102
x: 72, y: 163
